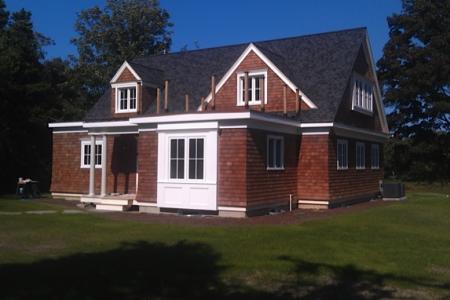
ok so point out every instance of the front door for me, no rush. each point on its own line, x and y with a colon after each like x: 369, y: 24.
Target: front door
x: 187, y: 168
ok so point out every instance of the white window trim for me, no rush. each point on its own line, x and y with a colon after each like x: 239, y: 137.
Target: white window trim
x: 88, y: 142
x: 275, y: 137
x: 239, y: 89
x: 186, y: 159
x: 342, y: 142
x: 371, y: 156
x: 116, y: 87
x: 363, y: 167
x: 355, y: 106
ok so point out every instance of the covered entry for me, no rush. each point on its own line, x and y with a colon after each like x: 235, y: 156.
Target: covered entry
x: 187, y: 166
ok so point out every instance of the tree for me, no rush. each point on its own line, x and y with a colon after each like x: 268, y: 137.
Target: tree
x: 121, y: 31
x: 415, y: 68
x: 21, y: 90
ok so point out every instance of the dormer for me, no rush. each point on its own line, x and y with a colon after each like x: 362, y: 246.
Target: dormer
x: 133, y: 89
x: 126, y: 91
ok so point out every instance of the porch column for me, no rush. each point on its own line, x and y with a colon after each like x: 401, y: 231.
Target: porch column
x: 92, y: 168
x: 104, y: 164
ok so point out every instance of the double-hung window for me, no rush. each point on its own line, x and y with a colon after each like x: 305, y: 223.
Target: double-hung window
x: 126, y: 98
x: 362, y: 94
x: 375, y: 156
x: 342, y: 154
x: 257, y: 88
x: 86, y: 154
x: 275, y: 152
x: 191, y: 156
x: 196, y: 153
x: 360, y: 156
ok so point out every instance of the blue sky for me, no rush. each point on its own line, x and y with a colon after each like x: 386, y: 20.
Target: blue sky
x: 208, y: 23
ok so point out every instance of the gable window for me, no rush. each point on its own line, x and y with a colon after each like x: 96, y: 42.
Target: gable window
x: 275, y: 152
x: 86, y: 154
x: 362, y: 95
x: 342, y: 154
x: 126, y: 97
x: 375, y: 156
x: 257, y: 88
x: 191, y: 156
x: 360, y: 156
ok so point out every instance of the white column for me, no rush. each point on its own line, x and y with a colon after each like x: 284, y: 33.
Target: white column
x: 92, y: 168
x: 104, y: 163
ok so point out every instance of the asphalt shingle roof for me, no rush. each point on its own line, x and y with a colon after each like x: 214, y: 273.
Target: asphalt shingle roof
x: 319, y: 64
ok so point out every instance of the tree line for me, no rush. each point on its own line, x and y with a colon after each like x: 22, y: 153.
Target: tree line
x: 415, y: 76
x: 414, y: 73
x: 35, y: 90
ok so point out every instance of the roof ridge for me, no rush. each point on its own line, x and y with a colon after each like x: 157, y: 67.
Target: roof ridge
x: 254, y: 42
x: 310, y: 35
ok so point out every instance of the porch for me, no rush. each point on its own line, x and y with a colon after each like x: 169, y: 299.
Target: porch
x: 110, y: 202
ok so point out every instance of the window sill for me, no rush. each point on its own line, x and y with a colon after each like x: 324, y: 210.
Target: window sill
x: 275, y: 169
x: 251, y: 103
x: 342, y: 169
x: 125, y: 111
x: 360, y: 168
x: 375, y: 168
x: 88, y: 167
x: 362, y: 110
x: 191, y: 181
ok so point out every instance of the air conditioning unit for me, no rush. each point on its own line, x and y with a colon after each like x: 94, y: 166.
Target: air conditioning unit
x: 393, y: 191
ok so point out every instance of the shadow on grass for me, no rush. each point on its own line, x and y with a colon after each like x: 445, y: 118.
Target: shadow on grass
x: 325, y: 281
x: 181, y: 271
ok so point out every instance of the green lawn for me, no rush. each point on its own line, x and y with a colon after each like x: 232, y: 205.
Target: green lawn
x: 394, y: 251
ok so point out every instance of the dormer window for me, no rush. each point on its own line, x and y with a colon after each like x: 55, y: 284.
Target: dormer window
x: 257, y: 88
x: 126, y: 97
x: 362, y: 95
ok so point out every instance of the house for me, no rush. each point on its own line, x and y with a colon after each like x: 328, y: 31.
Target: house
x: 233, y: 130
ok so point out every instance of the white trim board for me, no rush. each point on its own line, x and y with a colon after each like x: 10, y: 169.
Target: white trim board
x: 108, y: 124
x: 316, y: 133
x: 188, y: 126
x: 377, y: 92
x: 232, y: 208
x: 313, y: 202
x: 270, y: 64
x: 65, y: 124
x: 140, y: 203
x: 316, y: 125
x: 199, y: 117
x: 121, y: 69
x: 70, y: 131
x: 113, y: 132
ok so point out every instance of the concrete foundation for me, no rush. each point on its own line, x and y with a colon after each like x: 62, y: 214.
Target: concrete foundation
x: 149, y: 209
x: 232, y: 214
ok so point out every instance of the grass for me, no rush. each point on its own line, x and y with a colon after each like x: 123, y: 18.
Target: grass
x: 399, y: 250
x: 13, y: 204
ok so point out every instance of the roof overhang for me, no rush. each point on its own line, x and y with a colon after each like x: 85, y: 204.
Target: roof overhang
x: 199, y: 117
x: 247, y: 119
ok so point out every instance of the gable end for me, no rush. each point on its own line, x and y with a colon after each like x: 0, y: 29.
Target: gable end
x: 125, y: 73
x: 252, y: 48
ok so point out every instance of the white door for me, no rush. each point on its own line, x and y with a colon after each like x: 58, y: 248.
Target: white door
x: 187, y: 166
